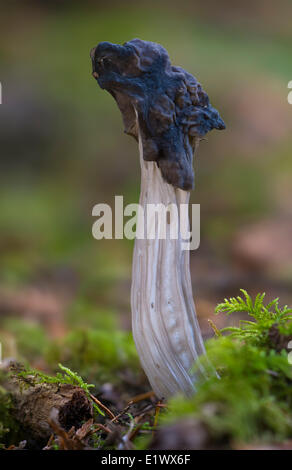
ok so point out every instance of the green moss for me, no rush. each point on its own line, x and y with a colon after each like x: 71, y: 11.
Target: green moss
x: 8, y: 425
x: 252, y: 400
x: 264, y: 317
x: 67, y: 376
x: 98, y: 354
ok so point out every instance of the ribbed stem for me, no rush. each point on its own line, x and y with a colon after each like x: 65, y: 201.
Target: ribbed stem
x: 165, y: 326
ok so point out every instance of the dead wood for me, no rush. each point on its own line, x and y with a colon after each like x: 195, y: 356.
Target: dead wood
x: 34, y: 403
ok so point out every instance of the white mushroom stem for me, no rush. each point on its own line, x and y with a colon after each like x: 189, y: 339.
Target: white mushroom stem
x: 165, y: 327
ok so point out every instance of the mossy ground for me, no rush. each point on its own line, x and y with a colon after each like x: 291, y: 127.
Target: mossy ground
x: 250, y: 401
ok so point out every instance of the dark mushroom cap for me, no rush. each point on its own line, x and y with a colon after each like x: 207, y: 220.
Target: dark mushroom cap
x: 173, y: 110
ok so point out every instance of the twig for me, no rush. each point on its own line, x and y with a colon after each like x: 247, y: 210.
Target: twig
x: 103, y: 428
x: 214, y: 328
x: 136, y: 399
x: 122, y: 412
x: 102, y: 406
x: 135, y: 431
x: 142, y: 396
x: 157, y: 410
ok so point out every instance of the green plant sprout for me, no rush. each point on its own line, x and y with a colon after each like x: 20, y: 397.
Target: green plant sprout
x: 67, y: 377
x: 265, y: 317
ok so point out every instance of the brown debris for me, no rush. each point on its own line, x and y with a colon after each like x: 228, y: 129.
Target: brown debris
x: 71, y: 440
x: 102, y: 406
x: 34, y: 402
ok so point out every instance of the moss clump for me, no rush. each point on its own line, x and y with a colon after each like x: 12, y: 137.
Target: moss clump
x: 252, y: 400
x: 267, y: 319
x: 100, y: 355
x: 8, y: 426
x: 67, y: 376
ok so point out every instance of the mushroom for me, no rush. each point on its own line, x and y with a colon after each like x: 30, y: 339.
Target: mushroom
x: 166, y: 110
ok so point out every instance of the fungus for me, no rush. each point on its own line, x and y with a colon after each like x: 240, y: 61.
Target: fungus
x: 166, y: 110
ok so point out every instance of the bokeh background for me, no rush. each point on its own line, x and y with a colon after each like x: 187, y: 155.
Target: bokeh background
x: 63, y: 150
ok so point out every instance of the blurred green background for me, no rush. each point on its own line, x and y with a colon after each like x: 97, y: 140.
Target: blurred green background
x: 63, y: 150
